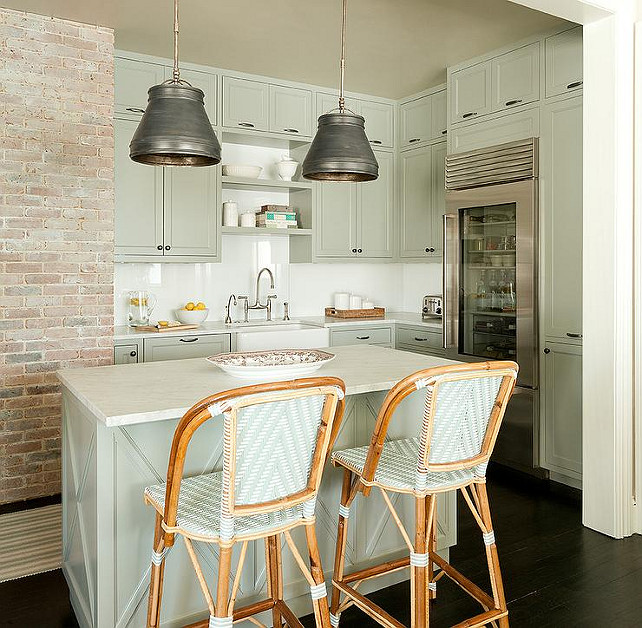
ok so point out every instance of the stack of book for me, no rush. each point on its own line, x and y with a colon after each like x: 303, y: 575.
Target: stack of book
x: 277, y: 217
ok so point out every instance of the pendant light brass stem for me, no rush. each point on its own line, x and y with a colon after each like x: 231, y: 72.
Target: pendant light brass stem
x: 176, y: 73
x: 342, y: 102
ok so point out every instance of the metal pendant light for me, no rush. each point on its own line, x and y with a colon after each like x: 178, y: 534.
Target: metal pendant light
x: 340, y: 150
x: 175, y: 129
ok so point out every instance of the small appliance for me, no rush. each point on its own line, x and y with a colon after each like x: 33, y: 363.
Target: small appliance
x: 432, y: 307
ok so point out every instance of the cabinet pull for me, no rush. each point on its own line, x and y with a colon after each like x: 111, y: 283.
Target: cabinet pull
x: 354, y: 250
x: 547, y: 351
x: 160, y: 247
x: 363, y: 337
x: 469, y: 114
x: 377, y: 142
x: 574, y: 84
x: 248, y: 125
x: 420, y: 339
x: 513, y: 102
x: 133, y: 354
x: 359, y: 250
x: 291, y: 130
x: 570, y: 335
x: 444, y: 132
x: 167, y: 247
x: 414, y: 139
x: 427, y: 249
x: 135, y: 109
x: 194, y: 339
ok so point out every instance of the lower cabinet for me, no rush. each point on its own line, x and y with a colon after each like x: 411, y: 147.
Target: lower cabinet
x: 366, y: 335
x: 130, y: 353
x: 419, y: 340
x: 562, y: 409
x: 183, y: 347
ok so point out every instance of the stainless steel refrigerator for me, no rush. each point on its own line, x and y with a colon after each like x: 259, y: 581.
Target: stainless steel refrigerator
x: 490, y: 279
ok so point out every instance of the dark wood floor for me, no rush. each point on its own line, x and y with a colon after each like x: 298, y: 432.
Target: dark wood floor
x: 556, y: 573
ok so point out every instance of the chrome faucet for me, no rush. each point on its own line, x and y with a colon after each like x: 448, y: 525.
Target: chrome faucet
x: 228, y: 318
x: 257, y: 301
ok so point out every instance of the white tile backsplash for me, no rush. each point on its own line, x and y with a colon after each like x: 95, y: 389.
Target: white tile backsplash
x: 309, y: 288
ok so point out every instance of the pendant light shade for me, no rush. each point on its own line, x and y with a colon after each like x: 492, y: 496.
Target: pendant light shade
x: 175, y: 129
x: 340, y: 150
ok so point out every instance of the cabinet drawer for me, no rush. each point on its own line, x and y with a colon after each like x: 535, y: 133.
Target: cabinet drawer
x: 183, y: 347
x: 127, y: 354
x: 363, y: 336
x: 418, y: 338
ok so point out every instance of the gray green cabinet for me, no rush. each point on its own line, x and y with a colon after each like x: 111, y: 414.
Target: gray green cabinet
x: 470, y: 92
x: 515, y: 77
x: 423, y: 119
x: 245, y: 104
x: 562, y: 417
x: 183, y: 347
x: 290, y: 111
x: 561, y: 218
x: 419, y: 339
x: 381, y: 335
x: 355, y: 220
x: 564, y: 62
x: 132, y: 79
x: 128, y: 353
x: 439, y: 114
x: 422, y: 201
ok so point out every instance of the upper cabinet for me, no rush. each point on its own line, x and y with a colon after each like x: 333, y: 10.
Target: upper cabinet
x: 423, y: 119
x: 564, y: 62
x: 245, y: 104
x: 515, y: 78
x: 290, y: 110
x: 132, y: 79
x: 470, y: 92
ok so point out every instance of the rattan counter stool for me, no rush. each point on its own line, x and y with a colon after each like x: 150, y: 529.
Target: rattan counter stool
x: 464, y: 407
x: 276, y: 439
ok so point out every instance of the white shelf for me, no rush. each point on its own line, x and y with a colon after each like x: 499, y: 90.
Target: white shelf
x: 265, y: 231
x: 242, y: 183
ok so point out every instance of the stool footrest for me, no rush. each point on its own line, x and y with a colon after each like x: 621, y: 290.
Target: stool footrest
x: 368, y: 607
x: 377, y: 570
x: 483, y: 619
x: 241, y: 613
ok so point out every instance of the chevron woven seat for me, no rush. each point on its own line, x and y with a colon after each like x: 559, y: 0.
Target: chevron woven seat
x: 397, y: 468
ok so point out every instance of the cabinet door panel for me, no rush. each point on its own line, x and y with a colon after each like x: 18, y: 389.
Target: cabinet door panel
x: 191, y: 212
x: 375, y: 201
x: 181, y: 348
x: 563, y: 408
x: 470, y: 92
x: 132, y: 79
x: 336, y: 225
x: 127, y: 354
x: 561, y: 216
x: 379, y: 122
x: 438, y: 208
x: 138, y: 198
x: 290, y: 111
x: 415, y: 121
x: 515, y: 77
x: 439, y: 114
x: 245, y: 104
x: 564, y: 62
x: 416, y: 198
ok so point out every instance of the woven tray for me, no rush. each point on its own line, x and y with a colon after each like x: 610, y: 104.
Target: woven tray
x: 377, y: 312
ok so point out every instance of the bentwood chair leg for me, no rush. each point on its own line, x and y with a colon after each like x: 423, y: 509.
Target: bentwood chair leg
x: 342, y: 537
x: 420, y: 606
x: 156, y: 580
x: 320, y: 604
x: 431, y: 533
x: 491, y: 554
x: 275, y: 575
x: 223, y: 581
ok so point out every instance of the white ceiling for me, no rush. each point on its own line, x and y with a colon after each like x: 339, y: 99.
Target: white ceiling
x: 394, y: 47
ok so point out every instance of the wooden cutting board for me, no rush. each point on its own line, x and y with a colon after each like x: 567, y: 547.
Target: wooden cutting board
x: 160, y: 330
x: 375, y: 312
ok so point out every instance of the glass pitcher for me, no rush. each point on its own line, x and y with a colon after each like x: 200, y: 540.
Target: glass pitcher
x: 140, y: 305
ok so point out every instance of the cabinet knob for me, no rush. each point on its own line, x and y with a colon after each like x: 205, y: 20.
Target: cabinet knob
x: 354, y: 250
x: 432, y: 250
x: 547, y: 350
x: 574, y: 84
x: 160, y: 247
x: 444, y: 132
x: 167, y: 247
x: 359, y: 250
x: 427, y: 250
x: 470, y: 114
x: 133, y: 354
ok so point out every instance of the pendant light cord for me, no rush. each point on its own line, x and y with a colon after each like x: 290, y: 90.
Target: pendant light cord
x: 342, y: 102
x: 176, y: 73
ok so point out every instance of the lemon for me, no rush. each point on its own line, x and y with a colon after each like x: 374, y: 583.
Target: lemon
x: 200, y: 306
x: 163, y: 323
x: 190, y: 306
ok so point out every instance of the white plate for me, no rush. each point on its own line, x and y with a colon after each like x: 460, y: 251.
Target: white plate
x: 272, y: 365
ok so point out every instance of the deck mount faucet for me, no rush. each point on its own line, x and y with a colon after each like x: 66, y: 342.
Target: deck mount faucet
x: 267, y: 306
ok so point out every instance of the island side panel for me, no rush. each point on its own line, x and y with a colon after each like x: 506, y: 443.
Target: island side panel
x: 126, y: 459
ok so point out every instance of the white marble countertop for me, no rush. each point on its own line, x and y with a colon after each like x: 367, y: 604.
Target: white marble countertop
x: 124, y: 333
x: 155, y: 391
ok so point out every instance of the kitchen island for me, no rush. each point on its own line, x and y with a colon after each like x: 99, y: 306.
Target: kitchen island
x: 118, y: 423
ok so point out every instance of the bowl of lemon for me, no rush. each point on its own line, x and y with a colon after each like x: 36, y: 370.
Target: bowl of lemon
x: 192, y: 313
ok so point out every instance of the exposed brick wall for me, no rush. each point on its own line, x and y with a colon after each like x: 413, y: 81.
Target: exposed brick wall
x: 56, y: 241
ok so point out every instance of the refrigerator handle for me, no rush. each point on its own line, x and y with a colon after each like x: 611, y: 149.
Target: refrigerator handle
x: 449, y: 304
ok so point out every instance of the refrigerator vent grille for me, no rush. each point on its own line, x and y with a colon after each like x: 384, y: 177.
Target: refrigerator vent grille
x: 504, y: 163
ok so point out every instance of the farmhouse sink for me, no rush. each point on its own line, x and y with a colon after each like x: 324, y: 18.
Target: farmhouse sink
x: 282, y: 336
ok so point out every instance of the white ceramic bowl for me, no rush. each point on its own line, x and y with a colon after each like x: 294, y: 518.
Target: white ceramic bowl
x: 192, y: 317
x: 287, y: 169
x: 242, y: 170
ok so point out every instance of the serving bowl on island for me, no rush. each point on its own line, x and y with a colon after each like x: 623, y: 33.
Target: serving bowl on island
x: 271, y: 365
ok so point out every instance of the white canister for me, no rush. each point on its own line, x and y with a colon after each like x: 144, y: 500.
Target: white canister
x: 355, y: 302
x: 230, y: 214
x: 248, y: 219
x: 341, y: 301
x: 367, y: 305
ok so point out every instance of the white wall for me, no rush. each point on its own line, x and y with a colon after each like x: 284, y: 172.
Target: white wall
x: 307, y: 287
